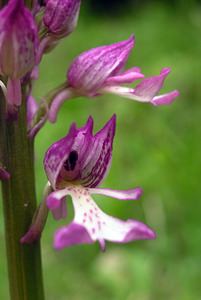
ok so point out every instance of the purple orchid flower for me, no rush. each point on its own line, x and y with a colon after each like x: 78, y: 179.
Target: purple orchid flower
x: 75, y: 166
x: 18, y: 43
x: 100, y: 70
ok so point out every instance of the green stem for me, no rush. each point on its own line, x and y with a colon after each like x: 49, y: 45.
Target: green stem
x: 19, y: 201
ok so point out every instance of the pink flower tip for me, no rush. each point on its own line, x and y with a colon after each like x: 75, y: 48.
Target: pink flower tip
x: 165, y: 99
x: 52, y: 203
x: 139, y: 192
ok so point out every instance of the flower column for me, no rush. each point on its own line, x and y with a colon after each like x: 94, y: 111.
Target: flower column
x: 16, y: 152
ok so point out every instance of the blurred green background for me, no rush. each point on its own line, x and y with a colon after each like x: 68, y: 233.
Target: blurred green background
x: 157, y: 148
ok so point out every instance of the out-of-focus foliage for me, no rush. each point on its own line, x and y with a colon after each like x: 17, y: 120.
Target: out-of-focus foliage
x: 158, y: 148
x: 119, y: 7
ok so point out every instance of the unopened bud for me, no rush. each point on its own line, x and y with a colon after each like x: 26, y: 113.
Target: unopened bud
x: 61, y: 16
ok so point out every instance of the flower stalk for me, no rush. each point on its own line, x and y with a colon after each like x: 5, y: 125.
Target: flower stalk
x: 19, y: 202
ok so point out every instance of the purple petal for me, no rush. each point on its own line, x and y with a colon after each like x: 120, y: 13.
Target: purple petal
x: 18, y: 40
x: 56, y: 202
x: 58, y: 159
x: 61, y: 211
x: 165, y: 99
x: 81, y: 156
x: 149, y: 87
x: 96, y: 162
x: 138, y: 231
x: 71, y: 235
x: 61, y: 16
x: 91, y: 69
x: 56, y: 156
x: 132, y: 194
x: 145, y: 91
x: 126, y: 77
x: 116, y: 230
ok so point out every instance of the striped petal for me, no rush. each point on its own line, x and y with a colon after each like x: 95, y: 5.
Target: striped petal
x: 81, y: 156
x: 97, y: 161
x: 92, y: 68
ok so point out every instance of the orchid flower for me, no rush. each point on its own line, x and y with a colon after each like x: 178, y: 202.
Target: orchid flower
x: 18, y: 44
x: 100, y: 70
x: 75, y: 166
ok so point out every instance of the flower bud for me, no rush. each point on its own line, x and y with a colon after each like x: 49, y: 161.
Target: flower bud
x: 61, y: 16
x: 18, y: 40
x: 18, y: 45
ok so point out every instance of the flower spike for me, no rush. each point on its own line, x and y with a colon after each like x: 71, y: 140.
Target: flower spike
x: 75, y: 166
